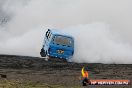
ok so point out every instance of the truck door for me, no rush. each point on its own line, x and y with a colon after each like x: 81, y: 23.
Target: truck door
x: 47, y: 40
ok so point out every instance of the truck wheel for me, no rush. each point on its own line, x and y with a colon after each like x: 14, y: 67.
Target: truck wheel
x: 42, y: 53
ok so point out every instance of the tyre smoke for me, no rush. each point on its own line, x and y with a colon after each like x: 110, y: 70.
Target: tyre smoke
x: 102, y: 29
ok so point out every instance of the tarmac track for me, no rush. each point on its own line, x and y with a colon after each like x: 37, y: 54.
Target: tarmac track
x: 56, y: 72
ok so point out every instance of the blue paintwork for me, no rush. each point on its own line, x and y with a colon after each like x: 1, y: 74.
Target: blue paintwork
x: 50, y: 47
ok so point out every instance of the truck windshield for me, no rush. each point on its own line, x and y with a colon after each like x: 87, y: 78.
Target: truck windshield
x: 62, y: 40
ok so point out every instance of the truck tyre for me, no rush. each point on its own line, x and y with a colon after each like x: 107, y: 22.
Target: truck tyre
x: 42, y: 53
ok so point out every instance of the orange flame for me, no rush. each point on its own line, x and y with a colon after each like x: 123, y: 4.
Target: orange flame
x: 84, y: 73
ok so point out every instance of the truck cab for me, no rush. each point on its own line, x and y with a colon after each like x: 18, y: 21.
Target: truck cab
x: 58, y: 45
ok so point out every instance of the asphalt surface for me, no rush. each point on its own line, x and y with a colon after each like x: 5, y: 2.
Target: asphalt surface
x: 56, y: 72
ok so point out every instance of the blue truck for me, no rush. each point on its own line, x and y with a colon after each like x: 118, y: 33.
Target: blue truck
x: 58, y: 45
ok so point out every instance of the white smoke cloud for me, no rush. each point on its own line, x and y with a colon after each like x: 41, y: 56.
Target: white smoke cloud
x: 104, y: 36
x: 95, y: 43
